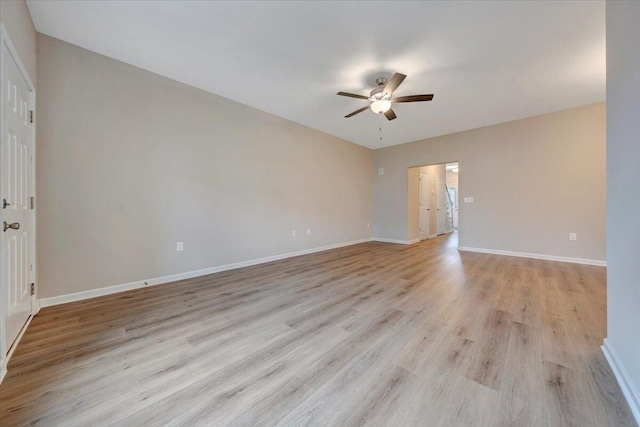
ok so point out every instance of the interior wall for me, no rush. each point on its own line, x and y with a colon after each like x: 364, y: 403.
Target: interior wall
x: 623, y: 188
x: 534, y: 181
x: 414, y: 198
x: 15, y: 16
x: 129, y: 163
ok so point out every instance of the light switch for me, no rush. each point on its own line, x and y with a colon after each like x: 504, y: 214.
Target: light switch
x: 468, y: 199
x: 380, y: 171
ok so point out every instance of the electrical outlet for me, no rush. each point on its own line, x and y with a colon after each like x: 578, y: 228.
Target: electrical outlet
x: 468, y: 199
x: 180, y: 246
x: 572, y: 236
x: 380, y: 171
x: 368, y: 225
x: 293, y: 233
x: 308, y: 231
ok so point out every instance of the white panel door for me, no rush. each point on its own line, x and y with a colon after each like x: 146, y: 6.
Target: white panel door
x: 423, y: 215
x: 16, y: 187
x: 441, y: 214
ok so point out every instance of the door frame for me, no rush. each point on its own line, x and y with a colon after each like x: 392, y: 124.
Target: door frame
x: 5, y: 352
x: 429, y: 236
x: 443, y: 180
x: 455, y: 186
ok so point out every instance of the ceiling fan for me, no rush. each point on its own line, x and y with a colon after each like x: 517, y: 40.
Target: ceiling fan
x: 382, y: 97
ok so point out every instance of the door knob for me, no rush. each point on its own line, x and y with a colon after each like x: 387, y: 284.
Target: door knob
x: 5, y: 204
x: 14, y: 226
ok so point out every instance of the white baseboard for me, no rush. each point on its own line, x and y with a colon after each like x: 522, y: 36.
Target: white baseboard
x: 629, y: 390
x: 36, y: 309
x: 78, y: 296
x: 431, y: 236
x: 400, y: 242
x: 536, y: 256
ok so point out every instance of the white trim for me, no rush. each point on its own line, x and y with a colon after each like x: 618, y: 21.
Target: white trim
x: 5, y: 361
x: 427, y: 205
x: 33, y: 255
x: 629, y: 390
x: 443, y: 180
x: 16, y: 57
x: 431, y: 236
x: 78, y: 296
x: 399, y: 242
x: 536, y: 256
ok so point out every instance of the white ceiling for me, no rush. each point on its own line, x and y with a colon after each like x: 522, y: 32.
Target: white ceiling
x: 486, y: 62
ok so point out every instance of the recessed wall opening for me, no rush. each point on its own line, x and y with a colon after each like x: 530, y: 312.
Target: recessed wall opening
x: 433, y: 195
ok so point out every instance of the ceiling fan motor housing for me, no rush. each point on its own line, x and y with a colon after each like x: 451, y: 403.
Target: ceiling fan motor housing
x: 378, y: 93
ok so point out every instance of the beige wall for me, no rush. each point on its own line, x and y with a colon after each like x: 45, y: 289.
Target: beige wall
x: 534, y: 181
x: 623, y: 186
x: 15, y: 16
x: 129, y: 163
x: 414, y: 198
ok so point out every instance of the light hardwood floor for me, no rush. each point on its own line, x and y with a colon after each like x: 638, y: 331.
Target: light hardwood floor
x: 375, y: 334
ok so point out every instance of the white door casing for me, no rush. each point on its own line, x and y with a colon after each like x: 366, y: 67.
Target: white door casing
x: 423, y: 215
x: 453, y: 190
x: 441, y: 205
x: 16, y: 187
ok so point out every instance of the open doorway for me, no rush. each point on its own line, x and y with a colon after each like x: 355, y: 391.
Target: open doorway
x: 452, y: 191
x: 433, y: 200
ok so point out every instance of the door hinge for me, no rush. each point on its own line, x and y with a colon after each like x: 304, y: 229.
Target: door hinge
x: 32, y: 202
x: 30, y: 116
x: 33, y: 289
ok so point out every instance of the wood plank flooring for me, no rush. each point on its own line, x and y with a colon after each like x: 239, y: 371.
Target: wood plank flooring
x: 371, y: 334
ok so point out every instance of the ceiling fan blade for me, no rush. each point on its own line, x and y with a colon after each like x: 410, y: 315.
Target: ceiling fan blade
x: 390, y: 114
x: 352, y: 95
x: 393, y: 84
x: 413, y: 98
x: 356, y: 112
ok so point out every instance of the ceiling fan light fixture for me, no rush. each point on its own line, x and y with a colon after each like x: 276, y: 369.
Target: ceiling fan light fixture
x: 381, y: 106
x: 381, y: 97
